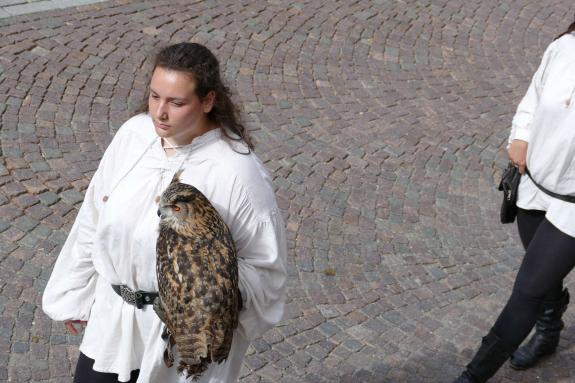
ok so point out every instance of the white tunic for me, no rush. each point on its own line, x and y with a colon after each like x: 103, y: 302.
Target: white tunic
x: 545, y: 118
x: 113, y: 241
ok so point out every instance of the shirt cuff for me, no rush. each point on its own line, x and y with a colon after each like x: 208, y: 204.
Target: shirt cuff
x: 521, y: 134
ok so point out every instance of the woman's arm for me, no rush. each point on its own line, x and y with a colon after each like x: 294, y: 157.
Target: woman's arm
x: 523, y: 118
x: 69, y: 294
x: 240, y: 189
x: 262, y: 274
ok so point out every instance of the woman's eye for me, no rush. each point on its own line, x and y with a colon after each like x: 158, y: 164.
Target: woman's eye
x: 175, y: 208
x: 153, y: 96
x: 177, y: 104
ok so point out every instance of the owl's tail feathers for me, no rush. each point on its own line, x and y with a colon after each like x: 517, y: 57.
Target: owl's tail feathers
x: 225, y: 335
x: 168, y: 354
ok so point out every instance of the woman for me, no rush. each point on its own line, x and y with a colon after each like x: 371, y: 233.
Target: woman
x: 188, y: 122
x: 543, y: 139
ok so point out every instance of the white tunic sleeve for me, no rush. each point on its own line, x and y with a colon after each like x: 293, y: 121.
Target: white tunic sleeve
x: 262, y: 274
x: 522, y: 121
x: 69, y: 293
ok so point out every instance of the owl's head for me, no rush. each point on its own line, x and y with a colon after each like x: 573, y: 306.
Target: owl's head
x: 182, y: 204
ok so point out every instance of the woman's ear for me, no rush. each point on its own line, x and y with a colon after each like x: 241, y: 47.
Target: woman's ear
x: 208, y: 101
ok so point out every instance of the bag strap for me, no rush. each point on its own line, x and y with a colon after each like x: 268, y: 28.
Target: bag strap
x: 566, y: 198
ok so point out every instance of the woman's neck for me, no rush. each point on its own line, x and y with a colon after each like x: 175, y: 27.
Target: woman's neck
x: 187, y: 137
x: 171, y: 145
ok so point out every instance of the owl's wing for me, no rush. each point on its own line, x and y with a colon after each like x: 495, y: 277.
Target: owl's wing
x: 168, y: 286
x: 223, y: 285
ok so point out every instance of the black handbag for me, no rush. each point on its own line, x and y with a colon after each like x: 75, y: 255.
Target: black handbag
x: 509, y: 185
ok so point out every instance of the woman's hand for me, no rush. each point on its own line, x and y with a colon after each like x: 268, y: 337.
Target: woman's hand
x: 518, y: 154
x: 69, y: 324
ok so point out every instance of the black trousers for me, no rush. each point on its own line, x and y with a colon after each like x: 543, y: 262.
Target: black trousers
x: 549, y: 257
x: 86, y: 374
x: 527, y: 223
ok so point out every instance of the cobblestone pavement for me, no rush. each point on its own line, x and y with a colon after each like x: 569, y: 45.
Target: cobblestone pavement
x: 383, y: 123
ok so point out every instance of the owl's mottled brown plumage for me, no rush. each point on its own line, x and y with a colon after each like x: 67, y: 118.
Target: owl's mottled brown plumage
x: 197, y: 274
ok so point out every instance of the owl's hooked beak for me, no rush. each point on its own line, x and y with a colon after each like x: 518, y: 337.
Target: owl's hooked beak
x: 159, y: 213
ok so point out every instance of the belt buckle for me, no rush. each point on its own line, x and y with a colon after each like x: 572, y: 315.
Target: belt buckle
x: 128, y: 295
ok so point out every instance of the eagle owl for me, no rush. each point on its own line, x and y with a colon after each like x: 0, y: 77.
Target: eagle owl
x: 197, y: 271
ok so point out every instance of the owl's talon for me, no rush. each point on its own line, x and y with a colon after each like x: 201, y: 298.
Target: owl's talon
x: 168, y: 358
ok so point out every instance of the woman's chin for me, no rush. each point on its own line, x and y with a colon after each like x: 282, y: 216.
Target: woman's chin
x: 164, y: 133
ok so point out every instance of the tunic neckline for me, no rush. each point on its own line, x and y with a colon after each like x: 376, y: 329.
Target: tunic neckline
x: 206, y: 138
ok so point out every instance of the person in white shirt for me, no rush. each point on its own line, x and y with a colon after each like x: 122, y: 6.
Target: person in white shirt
x: 543, y: 141
x: 187, y: 122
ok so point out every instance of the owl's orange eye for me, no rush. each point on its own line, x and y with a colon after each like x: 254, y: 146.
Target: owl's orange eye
x: 176, y: 208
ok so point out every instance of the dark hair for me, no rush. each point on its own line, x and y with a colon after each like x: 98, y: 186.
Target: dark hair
x: 569, y: 30
x: 203, y: 66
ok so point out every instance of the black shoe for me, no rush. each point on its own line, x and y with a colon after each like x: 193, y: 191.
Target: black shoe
x: 488, y: 359
x: 546, y: 338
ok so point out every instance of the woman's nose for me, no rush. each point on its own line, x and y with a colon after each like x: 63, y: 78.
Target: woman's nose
x: 161, y: 112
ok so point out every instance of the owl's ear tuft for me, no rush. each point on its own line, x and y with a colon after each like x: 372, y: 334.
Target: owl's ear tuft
x: 176, y: 178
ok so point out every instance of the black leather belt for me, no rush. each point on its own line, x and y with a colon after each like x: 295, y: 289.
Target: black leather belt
x: 135, y: 298
x: 562, y: 197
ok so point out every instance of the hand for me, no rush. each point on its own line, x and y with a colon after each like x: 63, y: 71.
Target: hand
x: 518, y: 154
x: 69, y: 324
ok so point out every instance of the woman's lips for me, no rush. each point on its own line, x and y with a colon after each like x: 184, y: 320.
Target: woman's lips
x: 163, y: 126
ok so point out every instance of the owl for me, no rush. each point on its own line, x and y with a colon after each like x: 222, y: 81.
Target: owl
x: 197, y: 271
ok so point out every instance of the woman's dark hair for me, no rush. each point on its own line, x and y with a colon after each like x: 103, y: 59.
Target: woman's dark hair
x: 203, y: 66
x: 569, y: 30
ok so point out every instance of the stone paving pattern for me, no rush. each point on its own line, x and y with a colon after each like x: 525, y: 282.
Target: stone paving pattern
x: 384, y: 124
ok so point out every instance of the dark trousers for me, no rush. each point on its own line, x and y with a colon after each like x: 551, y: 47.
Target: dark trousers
x: 85, y: 373
x: 549, y: 257
x: 527, y: 223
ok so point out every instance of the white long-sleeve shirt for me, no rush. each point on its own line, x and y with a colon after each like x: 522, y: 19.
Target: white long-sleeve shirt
x: 113, y: 241
x: 545, y: 118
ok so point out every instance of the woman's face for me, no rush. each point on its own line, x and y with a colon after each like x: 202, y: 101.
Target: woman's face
x: 177, y: 112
